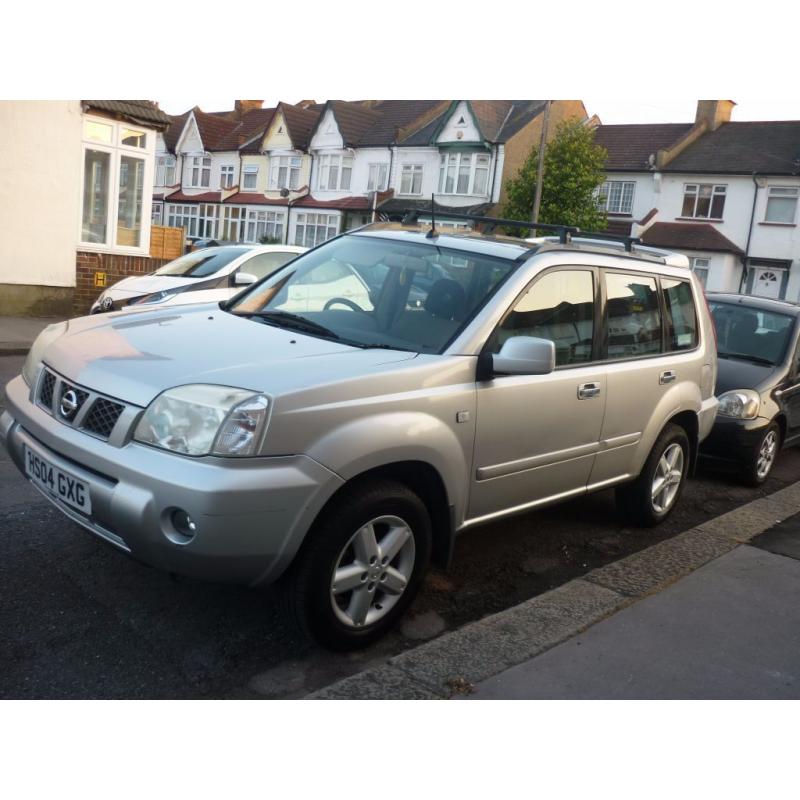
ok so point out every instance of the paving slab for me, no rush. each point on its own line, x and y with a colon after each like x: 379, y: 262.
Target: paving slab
x: 783, y: 539
x: 729, y: 630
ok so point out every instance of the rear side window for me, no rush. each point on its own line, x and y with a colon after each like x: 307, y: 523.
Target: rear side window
x: 266, y: 263
x: 559, y: 307
x: 681, y: 321
x: 633, y: 319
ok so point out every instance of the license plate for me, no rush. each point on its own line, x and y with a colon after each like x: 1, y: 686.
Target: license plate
x: 57, y: 483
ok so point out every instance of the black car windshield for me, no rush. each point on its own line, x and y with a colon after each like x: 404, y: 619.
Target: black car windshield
x: 202, y: 263
x: 751, y: 334
x: 374, y: 292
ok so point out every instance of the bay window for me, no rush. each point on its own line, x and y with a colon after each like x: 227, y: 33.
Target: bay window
x: 464, y: 173
x: 226, y: 176
x: 233, y: 222
x: 165, y: 171
x: 183, y: 216
x: 335, y: 172
x: 782, y: 204
x: 115, y: 209
x: 250, y: 176
x: 378, y: 177
x: 284, y: 172
x: 314, y: 229
x: 616, y: 197
x: 411, y: 179
x: 207, y: 218
x: 264, y: 225
x: 703, y: 200
x: 200, y: 172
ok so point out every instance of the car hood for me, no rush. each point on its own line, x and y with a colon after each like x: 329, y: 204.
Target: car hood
x: 735, y: 373
x: 148, y: 284
x: 135, y: 356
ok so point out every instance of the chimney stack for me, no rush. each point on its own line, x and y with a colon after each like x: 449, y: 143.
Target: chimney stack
x: 714, y: 113
x: 243, y: 106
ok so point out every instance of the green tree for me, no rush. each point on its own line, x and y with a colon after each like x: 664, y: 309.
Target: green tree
x: 573, y: 169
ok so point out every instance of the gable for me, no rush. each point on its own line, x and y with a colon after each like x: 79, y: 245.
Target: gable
x: 327, y: 133
x: 189, y: 140
x: 460, y: 126
x: 277, y: 136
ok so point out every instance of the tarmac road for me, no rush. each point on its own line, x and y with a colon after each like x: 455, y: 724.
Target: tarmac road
x: 79, y: 619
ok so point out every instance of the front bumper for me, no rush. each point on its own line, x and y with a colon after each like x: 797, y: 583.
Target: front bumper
x: 733, y: 439
x: 251, y: 513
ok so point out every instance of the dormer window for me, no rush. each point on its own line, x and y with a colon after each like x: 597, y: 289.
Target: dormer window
x: 464, y: 173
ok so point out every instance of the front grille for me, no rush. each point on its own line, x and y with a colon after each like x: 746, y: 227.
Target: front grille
x: 80, y: 394
x: 46, y: 390
x: 102, y: 417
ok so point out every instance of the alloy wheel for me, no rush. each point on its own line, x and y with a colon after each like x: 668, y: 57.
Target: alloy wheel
x: 766, y: 454
x: 372, y: 571
x: 667, y: 479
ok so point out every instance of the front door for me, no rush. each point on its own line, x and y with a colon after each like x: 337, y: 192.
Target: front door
x: 537, y: 435
x: 767, y: 282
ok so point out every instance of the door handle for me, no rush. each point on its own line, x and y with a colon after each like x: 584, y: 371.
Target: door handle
x: 588, y: 390
x: 668, y: 376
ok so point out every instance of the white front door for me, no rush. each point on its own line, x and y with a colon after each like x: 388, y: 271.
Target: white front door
x: 767, y: 282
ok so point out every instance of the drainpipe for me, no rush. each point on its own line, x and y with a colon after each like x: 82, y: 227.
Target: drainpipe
x: 749, y: 234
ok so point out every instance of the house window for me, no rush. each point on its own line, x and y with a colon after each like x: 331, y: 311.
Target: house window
x: 226, y: 176
x: 233, y: 223
x: 179, y: 216
x: 155, y: 213
x: 703, y: 200
x: 411, y: 179
x: 207, y: 221
x: 113, y: 198
x: 781, y: 204
x: 250, y: 176
x: 335, y: 172
x: 313, y: 229
x: 165, y: 171
x: 284, y: 172
x: 132, y: 138
x: 616, y: 197
x: 378, y: 175
x: 200, y: 173
x: 700, y: 267
x: 265, y: 225
x: 463, y: 173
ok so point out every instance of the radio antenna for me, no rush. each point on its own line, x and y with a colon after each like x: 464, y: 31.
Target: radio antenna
x: 432, y: 233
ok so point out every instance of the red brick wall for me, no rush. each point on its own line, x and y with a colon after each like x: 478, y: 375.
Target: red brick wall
x: 115, y: 268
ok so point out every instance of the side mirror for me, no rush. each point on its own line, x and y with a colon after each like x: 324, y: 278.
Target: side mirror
x: 525, y: 355
x: 244, y: 279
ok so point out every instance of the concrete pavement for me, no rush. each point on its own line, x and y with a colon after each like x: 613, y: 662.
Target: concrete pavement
x: 711, y: 613
x: 17, y: 333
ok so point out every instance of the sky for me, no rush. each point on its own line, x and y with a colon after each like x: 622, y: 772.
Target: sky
x: 611, y: 112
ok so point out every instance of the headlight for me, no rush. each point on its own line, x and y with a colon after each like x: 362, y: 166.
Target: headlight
x: 34, y: 359
x: 740, y: 404
x: 200, y: 419
x: 156, y: 297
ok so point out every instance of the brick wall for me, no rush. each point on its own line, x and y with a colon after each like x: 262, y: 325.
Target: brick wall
x: 115, y: 267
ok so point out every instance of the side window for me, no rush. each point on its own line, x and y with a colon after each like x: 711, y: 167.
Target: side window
x: 266, y: 263
x: 681, y: 318
x: 633, y: 319
x: 560, y: 307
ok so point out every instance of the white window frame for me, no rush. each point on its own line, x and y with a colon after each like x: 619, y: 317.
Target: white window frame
x: 701, y: 266
x: 783, y: 193
x: 208, y: 221
x: 342, y: 164
x: 199, y: 170
x: 249, y: 171
x: 226, y: 176
x: 410, y: 172
x: 117, y: 151
x: 165, y: 170
x: 378, y: 176
x: 233, y: 220
x: 180, y: 215
x: 288, y: 165
x: 156, y: 213
x: 460, y: 163
x: 717, y: 190
x: 623, y: 202
x: 264, y: 222
x: 326, y: 226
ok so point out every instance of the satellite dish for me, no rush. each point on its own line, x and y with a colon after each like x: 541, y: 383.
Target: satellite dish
x: 284, y: 192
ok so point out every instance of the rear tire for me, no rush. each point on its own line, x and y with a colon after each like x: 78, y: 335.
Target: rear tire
x: 758, y: 466
x: 650, y: 499
x: 361, y: 565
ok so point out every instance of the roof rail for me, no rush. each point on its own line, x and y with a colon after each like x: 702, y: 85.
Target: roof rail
x: 564, y: 232
x: 669, y: 257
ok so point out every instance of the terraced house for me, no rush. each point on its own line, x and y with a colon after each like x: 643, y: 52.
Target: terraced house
x: 306, y: 172
x: 725, y: 193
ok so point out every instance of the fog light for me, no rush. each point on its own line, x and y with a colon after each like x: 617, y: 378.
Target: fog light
x: 183, y: 523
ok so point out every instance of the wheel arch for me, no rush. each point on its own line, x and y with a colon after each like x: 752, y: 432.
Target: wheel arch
x: 689, y: 422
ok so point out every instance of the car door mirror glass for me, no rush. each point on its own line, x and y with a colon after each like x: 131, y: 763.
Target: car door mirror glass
x: 525, y: 355
x: 244, y: 279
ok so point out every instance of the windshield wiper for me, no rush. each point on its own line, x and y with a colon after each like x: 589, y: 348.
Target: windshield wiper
x: 746, y: 357
x: 382, y: 346
x: 289, y: 320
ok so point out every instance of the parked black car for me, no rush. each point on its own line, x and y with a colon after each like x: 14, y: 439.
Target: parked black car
x: 758, y: 382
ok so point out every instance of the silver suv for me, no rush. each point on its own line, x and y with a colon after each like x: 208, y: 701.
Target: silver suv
x: 343, y: 444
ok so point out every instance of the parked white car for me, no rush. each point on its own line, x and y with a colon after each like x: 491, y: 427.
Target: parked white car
x: 203, y: 276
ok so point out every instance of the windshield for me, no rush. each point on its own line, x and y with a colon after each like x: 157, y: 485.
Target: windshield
x: 374, y: 292
x: 751, y: 333
x: 202, y: 263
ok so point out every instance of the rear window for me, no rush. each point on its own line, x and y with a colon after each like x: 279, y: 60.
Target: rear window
x: 202, y: 263
x: 681, y: 321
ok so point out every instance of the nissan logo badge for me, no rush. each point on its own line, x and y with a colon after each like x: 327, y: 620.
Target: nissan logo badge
x: 69, y: 404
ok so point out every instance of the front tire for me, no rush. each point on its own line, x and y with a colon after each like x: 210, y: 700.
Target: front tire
x: 361, y: 565
x: 650, y: 499
x: 759, y: 466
